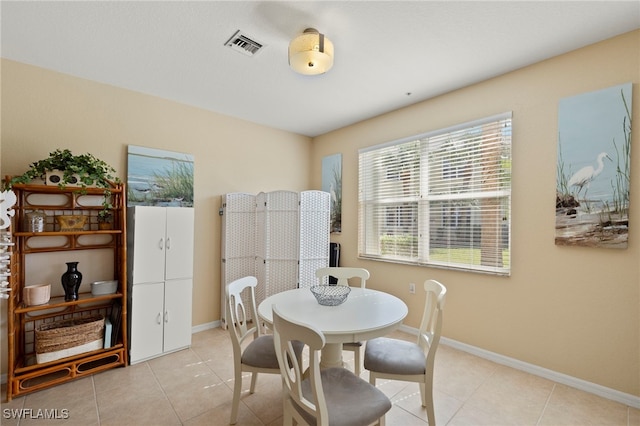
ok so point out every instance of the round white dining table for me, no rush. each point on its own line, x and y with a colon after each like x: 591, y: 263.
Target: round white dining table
x: 364, y: 315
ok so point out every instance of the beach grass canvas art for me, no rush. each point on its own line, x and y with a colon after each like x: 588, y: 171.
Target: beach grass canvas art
x: 159, y: 178
x: 593, y: 168
x: 332, y: 183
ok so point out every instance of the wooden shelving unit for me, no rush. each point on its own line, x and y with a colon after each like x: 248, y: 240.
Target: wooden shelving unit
x: 24, y: 373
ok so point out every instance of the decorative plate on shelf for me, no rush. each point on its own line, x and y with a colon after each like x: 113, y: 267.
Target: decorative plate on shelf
x: 71, y: 223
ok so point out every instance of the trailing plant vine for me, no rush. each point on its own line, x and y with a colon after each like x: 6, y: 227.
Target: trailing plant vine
x: 81, y: 170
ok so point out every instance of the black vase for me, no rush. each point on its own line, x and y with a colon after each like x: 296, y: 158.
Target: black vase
x: 71, y: 281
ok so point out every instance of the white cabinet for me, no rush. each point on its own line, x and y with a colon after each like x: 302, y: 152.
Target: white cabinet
x: 161, y: 242
x: 160, y: 260
x: 177, y: 314
x: 147, y: 321
x: 161, y: 318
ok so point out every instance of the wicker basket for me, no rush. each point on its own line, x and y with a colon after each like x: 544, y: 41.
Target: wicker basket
x: 60, y: 339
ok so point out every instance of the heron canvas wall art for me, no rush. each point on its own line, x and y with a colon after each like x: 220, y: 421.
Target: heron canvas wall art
x: 157, y: 177
x: 593, y: 168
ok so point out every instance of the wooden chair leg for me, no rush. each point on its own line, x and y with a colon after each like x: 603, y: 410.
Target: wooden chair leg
x: 426, y: 389
x: 237, y: 388
x: 254, y: 379
x: 287, y: 415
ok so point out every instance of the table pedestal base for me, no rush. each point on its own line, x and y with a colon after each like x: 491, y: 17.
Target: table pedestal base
x: 331, y: 356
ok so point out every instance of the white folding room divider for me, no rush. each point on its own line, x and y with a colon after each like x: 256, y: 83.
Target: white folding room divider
x: 280, y: 237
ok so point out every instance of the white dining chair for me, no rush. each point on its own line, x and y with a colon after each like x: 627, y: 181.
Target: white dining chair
x: 342, y: 275
x: 394, y: 359
x: 331, y: 396
x: 259, y: 356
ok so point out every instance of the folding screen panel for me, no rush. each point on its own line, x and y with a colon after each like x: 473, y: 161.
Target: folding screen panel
x: 238, y: 239
x: 315, y: 217
x: 277, y: 239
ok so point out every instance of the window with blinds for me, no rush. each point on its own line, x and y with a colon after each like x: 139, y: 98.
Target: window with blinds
x: 440, y: 199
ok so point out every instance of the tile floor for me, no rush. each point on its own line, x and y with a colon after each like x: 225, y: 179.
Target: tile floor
x: 194, y: 387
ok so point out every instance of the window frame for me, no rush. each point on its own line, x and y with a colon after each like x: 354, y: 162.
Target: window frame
x: 483, y: 210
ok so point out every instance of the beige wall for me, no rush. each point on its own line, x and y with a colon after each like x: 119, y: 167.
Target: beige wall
x: 569, y: 309
x: 572, y: 310
x: 44, y: 110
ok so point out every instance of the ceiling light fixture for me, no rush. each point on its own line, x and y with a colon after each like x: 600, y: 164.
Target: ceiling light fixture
x: 311, y: 53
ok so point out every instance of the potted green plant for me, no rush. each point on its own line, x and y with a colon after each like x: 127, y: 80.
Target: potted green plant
x: 105, y: 215
x: 81, y: 170
x: 104, y: 219
x: 62, y: 168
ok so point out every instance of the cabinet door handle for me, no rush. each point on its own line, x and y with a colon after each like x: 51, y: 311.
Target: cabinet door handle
x: 166, y: 316
x: 161, y: 244
x: 159, y: 318
x: 168, y: 243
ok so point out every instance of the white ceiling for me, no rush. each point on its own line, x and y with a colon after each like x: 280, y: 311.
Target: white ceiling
x: 383, y: 50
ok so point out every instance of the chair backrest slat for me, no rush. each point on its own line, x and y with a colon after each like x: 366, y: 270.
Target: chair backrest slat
x: 342, y: 273
x: 285, y: 331
x: 242, y: 319
x: 431, y: 324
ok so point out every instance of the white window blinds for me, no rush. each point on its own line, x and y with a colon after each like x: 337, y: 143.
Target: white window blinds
x: 440, y: 199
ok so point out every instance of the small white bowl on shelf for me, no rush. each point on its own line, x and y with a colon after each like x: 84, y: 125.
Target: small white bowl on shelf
x: 38, y: 294
x: 100, y: 288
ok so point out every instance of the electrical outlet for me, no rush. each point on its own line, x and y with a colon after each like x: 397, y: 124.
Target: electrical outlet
x: 412, y: 288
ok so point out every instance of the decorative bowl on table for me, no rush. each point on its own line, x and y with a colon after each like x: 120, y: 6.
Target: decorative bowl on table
x: 330, y: 295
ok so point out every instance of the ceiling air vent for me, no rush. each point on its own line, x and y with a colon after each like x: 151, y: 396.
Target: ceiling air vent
x: 244, y: 44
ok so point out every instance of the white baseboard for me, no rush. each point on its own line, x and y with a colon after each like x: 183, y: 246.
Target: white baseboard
x: 612, y: 394
x: 206, y: 326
